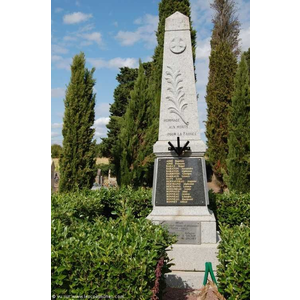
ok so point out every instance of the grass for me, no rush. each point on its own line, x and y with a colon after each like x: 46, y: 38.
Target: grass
x: 99, y: 160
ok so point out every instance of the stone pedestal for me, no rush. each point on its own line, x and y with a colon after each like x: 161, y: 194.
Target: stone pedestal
x: 180, y: 195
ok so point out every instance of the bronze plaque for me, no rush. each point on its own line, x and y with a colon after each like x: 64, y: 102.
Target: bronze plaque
x: 180, y: 182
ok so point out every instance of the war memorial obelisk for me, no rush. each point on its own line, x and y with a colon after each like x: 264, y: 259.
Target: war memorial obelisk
x: 180, y: 195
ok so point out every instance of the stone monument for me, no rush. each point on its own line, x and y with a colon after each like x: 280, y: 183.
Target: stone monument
x: 52, y: 175
x: 180, y: 195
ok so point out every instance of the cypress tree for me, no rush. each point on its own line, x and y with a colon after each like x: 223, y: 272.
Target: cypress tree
x: 220, y: 87
x: 238, y: 161
x: 77, y: 162
x: 133, y: 132
x: 109, y: 146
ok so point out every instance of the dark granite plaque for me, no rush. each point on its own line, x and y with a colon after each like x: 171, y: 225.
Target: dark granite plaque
x: 180, y: 182
x: 188, y: 232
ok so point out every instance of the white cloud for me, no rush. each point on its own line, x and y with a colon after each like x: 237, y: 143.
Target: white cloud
x: 145, y: 33
x: 148, y: 59
x: 115, y: 24
x: 69, y: 38
x: 201, y: 15
x: 92, y: 37
x: 203, y: 49
x: 55, y: 134
x: 61, y: 63
x: 55, y: 58
x: 138, y: 21
x: 100, y: 127
x: 58, y: 10
x: 102, y: 109
x: 76, y: 17
x: 58, y: 92
x: 245, y: 39
x: 128, y: 38
x: 85, y: 28
x: 114, y: 63
x: 101, y: 122
x: 56, y: 49
x: 56, y: 125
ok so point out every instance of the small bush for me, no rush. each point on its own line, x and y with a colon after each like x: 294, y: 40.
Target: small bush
x: 114, y: 258
x: 96, y: 255
x: 234, y: 257
x: 56, y: 150
x: 114, y: 200
x: 230, y: 208
x: 104, y: 202
x: 68, y: 207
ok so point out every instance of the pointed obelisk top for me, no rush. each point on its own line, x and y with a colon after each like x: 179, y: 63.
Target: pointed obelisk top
x: 177, y: 21
x: 178, y: 106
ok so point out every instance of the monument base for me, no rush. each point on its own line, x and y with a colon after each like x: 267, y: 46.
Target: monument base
x: 189, y: 259
x: 189, y: 269
x: 200, y: 216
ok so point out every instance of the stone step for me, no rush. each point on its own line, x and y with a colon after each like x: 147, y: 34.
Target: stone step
x: 186, y: 280
x: 193, y: 257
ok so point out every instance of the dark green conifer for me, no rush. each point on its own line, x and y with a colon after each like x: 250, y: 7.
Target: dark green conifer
x: 109, y: 146
x: 220, y: 87
x: 238, y: 161
x: 77, y: 162
x: 133, y: 131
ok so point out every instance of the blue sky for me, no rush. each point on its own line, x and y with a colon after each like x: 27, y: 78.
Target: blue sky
x: 116, y: 33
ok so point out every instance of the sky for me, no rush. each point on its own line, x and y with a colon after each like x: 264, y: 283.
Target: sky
x: 118, y: 33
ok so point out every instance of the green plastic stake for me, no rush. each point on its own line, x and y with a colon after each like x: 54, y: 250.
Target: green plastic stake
x: 209, y: 269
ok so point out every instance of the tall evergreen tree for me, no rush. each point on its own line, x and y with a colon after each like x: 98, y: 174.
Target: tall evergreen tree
x: 77, y: 162
x: 132, y: 136
x: 238, y: 161
x: 219, y: 90
x: 109, y: 146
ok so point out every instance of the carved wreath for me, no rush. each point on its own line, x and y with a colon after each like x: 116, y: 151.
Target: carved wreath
x: 178, y: 105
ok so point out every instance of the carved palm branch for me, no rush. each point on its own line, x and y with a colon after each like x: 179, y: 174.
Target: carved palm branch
x: 176, y: 96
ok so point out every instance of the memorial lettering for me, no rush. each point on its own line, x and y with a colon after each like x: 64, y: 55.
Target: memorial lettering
x: 180, y: 182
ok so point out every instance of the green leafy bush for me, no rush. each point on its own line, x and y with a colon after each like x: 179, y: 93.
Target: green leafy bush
x: 230, y: 208
x: 114, y: 200
x: 138, y: 200
x: 56, y: 150
x: 115, y: 257
x: 104, y: 202
x: 93, y: 254
x: 234, y: 257
x: 68, y: 207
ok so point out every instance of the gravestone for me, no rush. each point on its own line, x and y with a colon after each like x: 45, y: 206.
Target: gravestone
x: 180, y: 195
x: 97, y: 179
x: 52, y: 175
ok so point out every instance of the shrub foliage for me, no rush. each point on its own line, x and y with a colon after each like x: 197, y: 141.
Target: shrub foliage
x: 234, y: 257
x: 97, y: 256
x: 231, y: 208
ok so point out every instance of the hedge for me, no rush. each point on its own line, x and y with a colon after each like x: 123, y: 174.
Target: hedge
x: 104, y: 202
x: 234, y: 256
x: 99, y: 256
x: 230, y: 208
